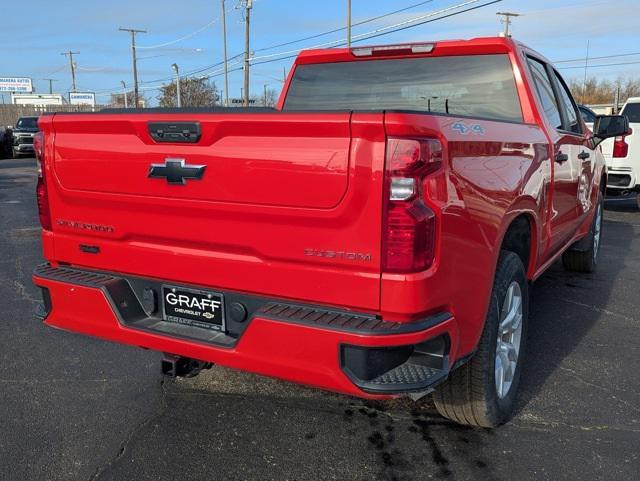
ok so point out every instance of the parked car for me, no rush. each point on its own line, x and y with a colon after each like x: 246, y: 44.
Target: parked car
x: 23, y: 134
x: 622, y: 154
x: 374, y: 235
x: 6, y: 141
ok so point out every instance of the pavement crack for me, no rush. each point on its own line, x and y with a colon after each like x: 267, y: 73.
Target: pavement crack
x: 21, y: 290
x: 578, y: 377
x: 530, y: 421
x: 132, y: 435
x: 596, y: 309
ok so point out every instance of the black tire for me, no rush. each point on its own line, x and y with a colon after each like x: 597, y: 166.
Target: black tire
x: 583, y: 255
x: 470, y: 395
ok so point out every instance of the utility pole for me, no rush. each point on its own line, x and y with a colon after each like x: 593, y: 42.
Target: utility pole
x: 72, y: 65
x: 264, y: 102
x: 133, y: 32
x: 177, y: 71
x: 226, y: 67
x: 348, y: 23
x: 247, y: 18
x: 506, y: 21
x: 124, y: 93
x: 584, y: 81
x: 51, y: 80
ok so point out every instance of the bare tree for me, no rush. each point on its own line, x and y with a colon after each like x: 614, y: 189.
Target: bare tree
x: 194, y: 92
x: 117, y: 100
x: 603, y: 91
x: 271, y: 98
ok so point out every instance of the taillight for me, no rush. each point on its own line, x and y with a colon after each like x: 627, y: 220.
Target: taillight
x: 41, y: 188
x: 409, y: 225
x: 620, y: 146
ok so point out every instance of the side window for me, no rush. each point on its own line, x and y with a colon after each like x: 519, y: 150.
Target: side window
x: 545, y: 93
x: 569, y: 107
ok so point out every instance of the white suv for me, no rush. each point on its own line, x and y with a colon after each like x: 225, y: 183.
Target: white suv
x: 622, y: 154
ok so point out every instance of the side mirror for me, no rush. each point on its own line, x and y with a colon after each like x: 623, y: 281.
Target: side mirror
x: 607, y: 126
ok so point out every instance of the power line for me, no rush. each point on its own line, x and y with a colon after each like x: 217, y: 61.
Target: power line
x: 336, y: 30
x: 598, y: 58
x: 601, y: 65
x: 411, y: 23
x: 189, y: 35
x: 383, y: 30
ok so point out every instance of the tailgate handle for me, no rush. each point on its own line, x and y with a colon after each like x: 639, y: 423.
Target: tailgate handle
x: 175, y: 132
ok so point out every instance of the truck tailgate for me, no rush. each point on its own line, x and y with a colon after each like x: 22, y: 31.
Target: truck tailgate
x: 289, y: 205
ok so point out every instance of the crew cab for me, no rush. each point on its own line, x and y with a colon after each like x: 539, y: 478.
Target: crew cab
x: 375, y: 234
x: 622, y: 154
x: 23, y: 134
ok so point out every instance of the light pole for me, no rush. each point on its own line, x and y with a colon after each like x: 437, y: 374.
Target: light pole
x: 124, y: 92
x: 177, y: 71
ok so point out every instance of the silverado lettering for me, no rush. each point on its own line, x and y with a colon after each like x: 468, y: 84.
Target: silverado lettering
x: 456, y: 172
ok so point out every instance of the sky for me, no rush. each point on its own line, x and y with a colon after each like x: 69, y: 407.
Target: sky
x: 189, y: 33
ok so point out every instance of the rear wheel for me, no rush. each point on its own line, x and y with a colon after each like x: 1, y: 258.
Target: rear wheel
x: 482, y: 392
x: 583, y: 255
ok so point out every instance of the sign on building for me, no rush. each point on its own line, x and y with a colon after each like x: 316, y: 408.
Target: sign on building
x: 16, y: 84
x: 36, y: 99
x: 82, y: 98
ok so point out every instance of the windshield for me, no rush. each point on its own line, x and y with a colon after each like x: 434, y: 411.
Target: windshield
x: 28, y: 123
x: 632, y: 111
x: 469, y: 85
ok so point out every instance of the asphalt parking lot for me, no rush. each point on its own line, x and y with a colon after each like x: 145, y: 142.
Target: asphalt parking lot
x: 76, y: 408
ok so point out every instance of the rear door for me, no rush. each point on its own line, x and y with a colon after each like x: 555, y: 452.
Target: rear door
x: 287, y: 205
x: 582, y: 156
x: 567, y: 166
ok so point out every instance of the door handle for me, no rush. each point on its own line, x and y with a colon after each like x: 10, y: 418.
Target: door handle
x: 561, y: 157
x: 584, y: 155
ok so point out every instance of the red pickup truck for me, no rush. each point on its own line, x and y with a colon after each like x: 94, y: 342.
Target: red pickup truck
x: 375, y: 234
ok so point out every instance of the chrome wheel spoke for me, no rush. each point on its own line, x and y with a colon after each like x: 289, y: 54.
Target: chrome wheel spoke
x: 508, y: 339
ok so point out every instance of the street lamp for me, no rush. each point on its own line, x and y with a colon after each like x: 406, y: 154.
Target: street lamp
x: 124, y: 92
x: 177, y: 71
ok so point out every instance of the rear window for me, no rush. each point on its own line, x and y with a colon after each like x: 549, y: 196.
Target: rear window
x: 470, y: 85
x: 632, y: 111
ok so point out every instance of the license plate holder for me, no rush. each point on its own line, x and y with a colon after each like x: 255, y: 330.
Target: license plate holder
x: 193, y: 307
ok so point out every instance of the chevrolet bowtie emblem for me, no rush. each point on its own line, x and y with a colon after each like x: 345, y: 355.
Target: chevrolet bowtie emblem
x: 176, y: 172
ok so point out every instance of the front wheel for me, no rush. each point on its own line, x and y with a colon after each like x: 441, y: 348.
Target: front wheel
x: 583, y: 255
x: 482, y: 392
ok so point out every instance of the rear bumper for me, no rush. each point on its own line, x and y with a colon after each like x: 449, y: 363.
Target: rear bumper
x: 325, y: 348
x: 621, y: 178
